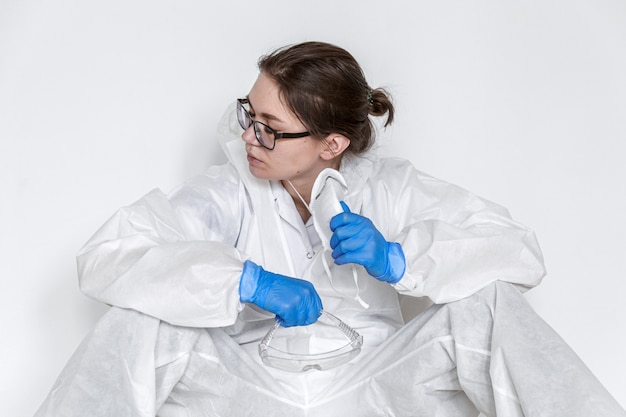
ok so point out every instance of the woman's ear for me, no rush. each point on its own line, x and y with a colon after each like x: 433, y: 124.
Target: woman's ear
x: 335, y: 145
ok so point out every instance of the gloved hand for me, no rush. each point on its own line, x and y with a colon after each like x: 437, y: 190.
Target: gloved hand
x: 294, y: 301
x: 356, y: 240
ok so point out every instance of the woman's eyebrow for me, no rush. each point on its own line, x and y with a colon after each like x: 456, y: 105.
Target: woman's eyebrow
x: 266, y: 116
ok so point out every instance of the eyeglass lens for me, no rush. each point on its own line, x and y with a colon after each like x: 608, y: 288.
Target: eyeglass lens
x: 263, y: 133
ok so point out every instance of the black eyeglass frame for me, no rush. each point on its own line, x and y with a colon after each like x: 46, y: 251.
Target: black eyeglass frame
x: 257, y: 132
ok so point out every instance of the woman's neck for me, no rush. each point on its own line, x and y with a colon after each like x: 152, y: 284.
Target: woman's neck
x: 301, y: 195
x: 300, y: 190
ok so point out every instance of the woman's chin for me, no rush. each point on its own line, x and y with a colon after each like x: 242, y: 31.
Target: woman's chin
x: 259, y: 173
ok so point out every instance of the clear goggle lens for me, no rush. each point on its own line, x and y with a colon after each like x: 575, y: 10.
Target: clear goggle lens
x: 347, y: 346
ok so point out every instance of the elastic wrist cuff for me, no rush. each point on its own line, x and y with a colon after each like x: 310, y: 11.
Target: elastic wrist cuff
x: 248, y: 281
x: 397, y: 263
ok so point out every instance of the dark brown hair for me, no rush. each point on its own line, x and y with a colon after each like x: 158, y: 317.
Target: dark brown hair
x: 326, y: 88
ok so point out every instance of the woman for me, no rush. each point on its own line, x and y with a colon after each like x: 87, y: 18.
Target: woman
x: 303, y: 218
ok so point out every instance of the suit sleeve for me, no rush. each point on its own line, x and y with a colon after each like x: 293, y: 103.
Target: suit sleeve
x: 456, y: 243
x: 171, y: 257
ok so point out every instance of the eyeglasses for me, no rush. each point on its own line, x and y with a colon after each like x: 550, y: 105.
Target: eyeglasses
x: 343, y: 349
x: 266, y: 136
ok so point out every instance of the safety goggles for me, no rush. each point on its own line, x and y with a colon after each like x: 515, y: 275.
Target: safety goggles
x: 266, y: 136
x: 301, y: 362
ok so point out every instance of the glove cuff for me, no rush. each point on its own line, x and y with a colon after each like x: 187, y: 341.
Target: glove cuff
x: 248, y: 282
x: 396, y: 265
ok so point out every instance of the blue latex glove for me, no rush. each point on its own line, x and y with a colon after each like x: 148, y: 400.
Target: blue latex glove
x: 294, y: 301
x: 356, y: 240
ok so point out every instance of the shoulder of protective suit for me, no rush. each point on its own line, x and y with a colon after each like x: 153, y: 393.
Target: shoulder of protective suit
x: 397, y: 170
x: 394, y: 163
x: 399, y: 176
x: 219, y: 184
x: 224, y: 175
x: 210, y: 205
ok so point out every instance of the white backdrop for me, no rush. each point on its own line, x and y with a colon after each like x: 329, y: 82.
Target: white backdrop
x: 523, y: 103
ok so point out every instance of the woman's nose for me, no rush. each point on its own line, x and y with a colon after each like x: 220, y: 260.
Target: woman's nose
x: 248, y: 136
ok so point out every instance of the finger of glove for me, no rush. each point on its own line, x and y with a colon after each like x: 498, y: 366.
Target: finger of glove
x: 359, y: 228
x: 363, y: 255
x: 305, y: 314
x: 356, y: 245
x: 296, y: 303
x: 313, y: 312
x: 288, y: 313
x: 311, y: 309
x: 342, y: 219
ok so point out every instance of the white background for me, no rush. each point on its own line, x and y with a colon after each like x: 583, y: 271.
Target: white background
x: 523, y: 103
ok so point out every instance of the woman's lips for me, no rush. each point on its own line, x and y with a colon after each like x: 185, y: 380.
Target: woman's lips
x: 253, y: 160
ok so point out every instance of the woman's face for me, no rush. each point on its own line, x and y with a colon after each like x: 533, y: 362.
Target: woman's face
x: 298, y: 160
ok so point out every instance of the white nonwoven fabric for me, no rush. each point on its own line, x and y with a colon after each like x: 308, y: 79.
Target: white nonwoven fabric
x: 180, y: 342
x: 489, y: 353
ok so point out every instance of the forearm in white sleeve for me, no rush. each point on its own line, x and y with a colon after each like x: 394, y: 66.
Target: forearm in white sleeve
x: 141, y: 259
x: 456, y: 243
x: 447, y: 263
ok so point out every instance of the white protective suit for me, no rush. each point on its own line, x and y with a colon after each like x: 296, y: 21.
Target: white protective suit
x: 180, y: 343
